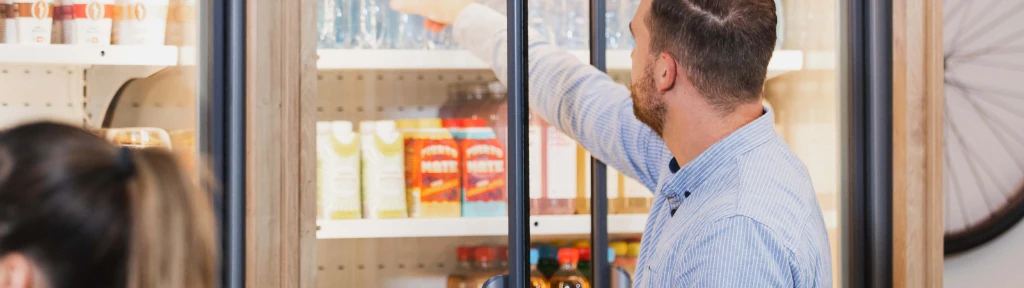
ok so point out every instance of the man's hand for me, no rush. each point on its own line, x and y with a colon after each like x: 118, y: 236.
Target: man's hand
x: 439, y: 13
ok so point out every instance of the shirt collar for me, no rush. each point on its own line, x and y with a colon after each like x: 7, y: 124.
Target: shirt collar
x: 693, y: 174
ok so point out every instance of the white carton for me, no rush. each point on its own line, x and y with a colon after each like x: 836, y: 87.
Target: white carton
x: 140, y: 22
x: 33, y: 20
x: 87, y: 21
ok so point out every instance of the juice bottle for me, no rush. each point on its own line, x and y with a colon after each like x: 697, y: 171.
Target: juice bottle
x: 483, y: 171
x: 547, y: 264
x: 537, y: 280
x: 460, y: 279
x: 628, y: 260
x: 431, y: 169
x: 584, y: 263
x: 560, y: 171
x: 338, y: 170
x: 611, y: 183
x: 535, y: 148
x: 383, y: 176
x: 567, y: 275
x: 637, y: 198
x: 486, y: 266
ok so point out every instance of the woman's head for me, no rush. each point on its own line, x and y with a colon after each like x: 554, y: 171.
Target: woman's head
x: 76, y: 211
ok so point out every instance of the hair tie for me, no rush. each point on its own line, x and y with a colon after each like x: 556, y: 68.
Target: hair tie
x: 125, y: 166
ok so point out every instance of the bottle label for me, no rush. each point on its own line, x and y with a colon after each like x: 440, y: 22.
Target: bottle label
x: 484, y: 171
x: 561, y: 164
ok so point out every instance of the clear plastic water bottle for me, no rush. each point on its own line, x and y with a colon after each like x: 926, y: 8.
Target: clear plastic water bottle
x: 576, y: 25
x: 344, y: 23
x: 628, y: 8
x: 538, y: 22
x: 325, y: 23
x: 373, y: 24
x: 443, y: 40
x: 409, y: 31
x: 613, y: 24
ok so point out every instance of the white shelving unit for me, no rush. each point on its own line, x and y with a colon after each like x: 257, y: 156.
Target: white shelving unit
x: 460, y: 227
x: 84, y: 55
x: 330, y: 59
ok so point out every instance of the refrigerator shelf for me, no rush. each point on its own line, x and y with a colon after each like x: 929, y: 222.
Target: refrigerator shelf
x: 783, y: 60
x: 85, y: 55
x: 450, y: 227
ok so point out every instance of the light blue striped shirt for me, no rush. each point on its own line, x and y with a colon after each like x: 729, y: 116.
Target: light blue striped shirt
x: 745, y: 213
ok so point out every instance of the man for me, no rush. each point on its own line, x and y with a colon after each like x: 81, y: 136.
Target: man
x: 733, y: 206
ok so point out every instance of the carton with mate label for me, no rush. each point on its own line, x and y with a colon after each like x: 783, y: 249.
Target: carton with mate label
x: 139, y: 22
x: 87, y: 21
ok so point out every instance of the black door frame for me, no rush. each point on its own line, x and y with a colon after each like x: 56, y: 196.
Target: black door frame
x: 222, y: 70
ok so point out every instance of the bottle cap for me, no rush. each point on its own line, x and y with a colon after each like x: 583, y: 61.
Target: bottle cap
x: 620, y: 247
x: 534, y: 256
x: 569, y: 255
x: 584, y: 253
x: 430, y: 123
x: 611, y: 255
x: 547, y: 252
x: 634, y: 249
x: 485, y: 254
x: 464, y: 253
x: 581, y: 244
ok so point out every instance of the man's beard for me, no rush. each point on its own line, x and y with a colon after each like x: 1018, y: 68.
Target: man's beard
x: 648, y: 106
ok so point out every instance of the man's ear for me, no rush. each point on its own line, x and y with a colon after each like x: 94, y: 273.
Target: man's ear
x: 16, y: 271
x: 665, y: 74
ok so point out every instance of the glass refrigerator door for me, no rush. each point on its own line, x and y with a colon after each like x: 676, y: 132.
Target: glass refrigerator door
x: 411, y: 140
x: 129, y: 76
x: 800, y: 88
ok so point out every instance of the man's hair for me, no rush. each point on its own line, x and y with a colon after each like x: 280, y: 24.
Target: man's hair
x: 724, y: 45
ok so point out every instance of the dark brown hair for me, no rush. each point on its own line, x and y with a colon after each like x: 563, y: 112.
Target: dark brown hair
x: 90, y: 214
x: 724, y: 45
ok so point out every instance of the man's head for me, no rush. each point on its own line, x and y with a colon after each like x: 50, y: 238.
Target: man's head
x: 718, y: 49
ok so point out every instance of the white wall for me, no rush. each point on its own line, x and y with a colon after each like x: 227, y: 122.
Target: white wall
x: 996, y: 264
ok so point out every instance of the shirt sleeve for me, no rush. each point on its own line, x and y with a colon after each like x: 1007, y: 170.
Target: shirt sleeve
x: 735, y: 252
x: 576, y: 98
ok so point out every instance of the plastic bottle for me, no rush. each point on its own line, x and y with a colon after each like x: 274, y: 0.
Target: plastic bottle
x: 628, y: 262
x: 586, y: 190
x: 584, y: 263
x: 483, y: 171
x: 537, y: 279
x: 547, y: 264
x: 486, y: 266
x: 373, y: 24
x: 338, y: 170
x: 383, y: 185
x: 535, y: 149
x: 408, y: 31
x: 637, y: 198
x: 613, y: 23
x: 460, y: 278
x: 574, y: 32
x: 560, y: 173
x: 538, y: 22
x: 431, y: 169
x: 325, y: 23
x: 568, y: 275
